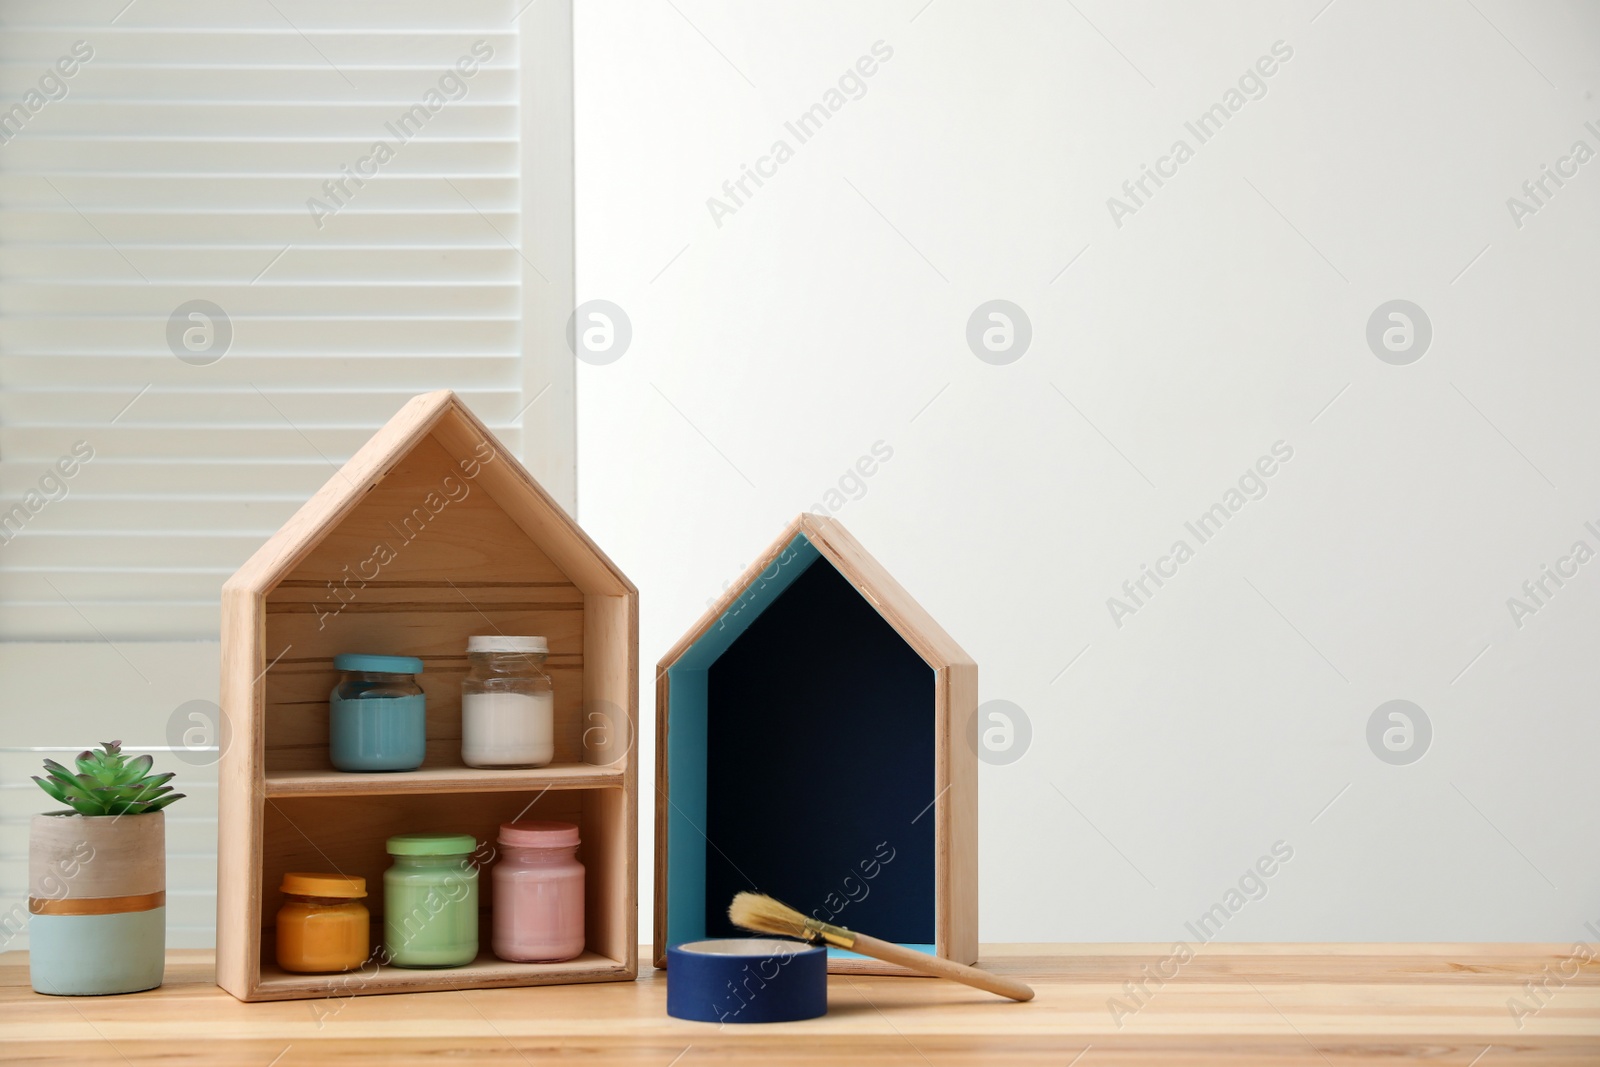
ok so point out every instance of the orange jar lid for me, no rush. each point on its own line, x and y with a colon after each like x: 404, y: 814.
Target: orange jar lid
x: 307, y: 884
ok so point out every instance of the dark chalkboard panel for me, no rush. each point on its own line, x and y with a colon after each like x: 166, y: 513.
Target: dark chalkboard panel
x: 820, y: 765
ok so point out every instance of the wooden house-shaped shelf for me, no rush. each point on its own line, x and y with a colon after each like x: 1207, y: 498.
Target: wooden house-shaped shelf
x: 809, y: 746
x: 431, y: 533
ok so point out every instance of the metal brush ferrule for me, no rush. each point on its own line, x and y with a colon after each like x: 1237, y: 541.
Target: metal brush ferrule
x: 837, y: 936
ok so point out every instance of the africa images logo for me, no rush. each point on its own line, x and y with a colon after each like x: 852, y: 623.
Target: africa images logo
x: 803, y: 128
x: 1252, y: 85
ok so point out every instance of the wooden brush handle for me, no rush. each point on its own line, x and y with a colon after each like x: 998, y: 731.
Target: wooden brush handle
x: 936, y: 967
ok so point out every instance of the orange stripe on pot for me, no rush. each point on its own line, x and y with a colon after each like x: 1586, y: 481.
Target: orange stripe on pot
x: 97, y: 905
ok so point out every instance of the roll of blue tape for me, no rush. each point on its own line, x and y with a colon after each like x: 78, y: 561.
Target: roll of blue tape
x: 747, y: 980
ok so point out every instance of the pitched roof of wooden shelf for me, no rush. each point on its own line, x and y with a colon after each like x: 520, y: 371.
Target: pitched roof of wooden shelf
x: 447, y: 420
x: 828, y: 537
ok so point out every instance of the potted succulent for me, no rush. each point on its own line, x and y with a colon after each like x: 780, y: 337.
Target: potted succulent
x: 97, y: 876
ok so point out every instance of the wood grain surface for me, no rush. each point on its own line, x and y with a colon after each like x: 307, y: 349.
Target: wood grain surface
x: 955, y: 706
x: 1253, y: 1005
x: 430, y: 534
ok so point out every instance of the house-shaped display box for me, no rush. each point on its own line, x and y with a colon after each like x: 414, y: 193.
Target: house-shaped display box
x: 810, y: 744
x: 431, y: 533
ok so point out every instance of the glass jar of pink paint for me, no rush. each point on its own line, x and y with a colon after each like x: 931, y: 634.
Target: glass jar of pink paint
x: 538, y: 893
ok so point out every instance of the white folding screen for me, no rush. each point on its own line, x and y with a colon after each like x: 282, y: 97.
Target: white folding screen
x: 234, y: 237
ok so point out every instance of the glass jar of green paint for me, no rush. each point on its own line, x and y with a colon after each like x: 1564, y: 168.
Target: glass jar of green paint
x: 430, y: 900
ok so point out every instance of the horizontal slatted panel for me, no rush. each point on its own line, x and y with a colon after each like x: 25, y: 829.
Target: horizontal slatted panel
x: 191, y: 837
x: 189, y: 159
x: 63, y: 697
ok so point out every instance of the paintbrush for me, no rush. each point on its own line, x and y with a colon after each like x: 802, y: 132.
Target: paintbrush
x: 755, y: 911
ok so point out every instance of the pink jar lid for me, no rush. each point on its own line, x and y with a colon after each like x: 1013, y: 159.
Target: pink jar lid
x: 538, y: 834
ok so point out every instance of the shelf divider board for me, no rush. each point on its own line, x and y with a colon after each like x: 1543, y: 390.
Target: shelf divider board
x: 485, y: 972
x: 431, y: 533
x: 443, y: 780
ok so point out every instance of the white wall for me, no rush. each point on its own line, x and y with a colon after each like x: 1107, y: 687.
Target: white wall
x: 829, y: 312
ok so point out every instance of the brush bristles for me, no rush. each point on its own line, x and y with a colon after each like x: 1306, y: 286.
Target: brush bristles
x: 762, y: 914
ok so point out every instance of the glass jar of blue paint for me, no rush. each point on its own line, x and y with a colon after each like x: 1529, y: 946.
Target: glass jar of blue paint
x: 377, y: 715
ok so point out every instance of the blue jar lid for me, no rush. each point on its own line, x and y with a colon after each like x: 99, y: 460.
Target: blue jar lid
x: 356, y: 661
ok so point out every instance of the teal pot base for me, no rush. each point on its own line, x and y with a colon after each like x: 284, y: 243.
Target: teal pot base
x: 94, y: 955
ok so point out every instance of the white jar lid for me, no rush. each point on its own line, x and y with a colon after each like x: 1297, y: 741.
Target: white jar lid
x: 501, y: 643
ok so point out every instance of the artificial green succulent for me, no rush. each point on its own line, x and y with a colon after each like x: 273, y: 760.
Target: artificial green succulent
x: 108, y: 783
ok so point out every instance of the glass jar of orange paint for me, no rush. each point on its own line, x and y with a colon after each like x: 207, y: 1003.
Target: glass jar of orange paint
x: 322, y: 926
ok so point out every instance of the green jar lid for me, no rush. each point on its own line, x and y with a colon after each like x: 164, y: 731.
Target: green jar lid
x: 432, y: 845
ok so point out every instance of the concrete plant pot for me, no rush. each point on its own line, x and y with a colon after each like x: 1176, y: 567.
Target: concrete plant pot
x: 97, y: 916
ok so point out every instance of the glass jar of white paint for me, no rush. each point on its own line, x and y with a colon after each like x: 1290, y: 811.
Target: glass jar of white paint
x: 507, y: 703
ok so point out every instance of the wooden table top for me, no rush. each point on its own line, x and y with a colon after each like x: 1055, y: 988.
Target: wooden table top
x: 1255, y: 1005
